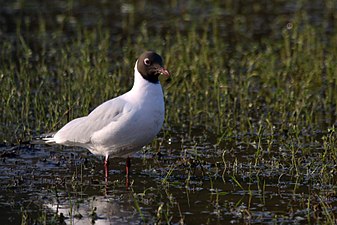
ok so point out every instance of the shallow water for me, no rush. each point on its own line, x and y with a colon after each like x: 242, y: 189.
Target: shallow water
x: 192, y: 178
x: 187, y: 182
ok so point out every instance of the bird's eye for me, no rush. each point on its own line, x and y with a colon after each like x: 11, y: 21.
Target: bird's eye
x: 147, y: 62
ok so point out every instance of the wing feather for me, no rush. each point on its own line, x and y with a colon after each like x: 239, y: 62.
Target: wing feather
x: 80, y: 130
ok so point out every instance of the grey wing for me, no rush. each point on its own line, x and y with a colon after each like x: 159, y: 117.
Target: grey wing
x: 80, y: 130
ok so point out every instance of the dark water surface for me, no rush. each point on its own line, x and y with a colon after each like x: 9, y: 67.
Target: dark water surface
x: 188, y: 181
x: 192, y: 180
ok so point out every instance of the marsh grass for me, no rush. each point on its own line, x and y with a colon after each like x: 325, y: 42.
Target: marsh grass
x: 273, y: 99
x: 290, y: 82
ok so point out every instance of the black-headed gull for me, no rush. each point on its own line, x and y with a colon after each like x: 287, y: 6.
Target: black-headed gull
x: 122, y: 125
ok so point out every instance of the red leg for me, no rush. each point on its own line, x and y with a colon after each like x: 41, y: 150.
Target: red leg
x: 127, y: 169
x: 128, y: 165
x: 106, y: 168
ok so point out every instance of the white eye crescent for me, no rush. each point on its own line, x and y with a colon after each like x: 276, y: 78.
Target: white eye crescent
x: 147, y: 62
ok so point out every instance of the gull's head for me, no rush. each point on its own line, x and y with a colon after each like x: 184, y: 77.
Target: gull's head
x: 150, y: 66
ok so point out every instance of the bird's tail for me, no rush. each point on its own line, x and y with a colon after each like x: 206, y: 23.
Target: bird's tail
x: 47, y: 138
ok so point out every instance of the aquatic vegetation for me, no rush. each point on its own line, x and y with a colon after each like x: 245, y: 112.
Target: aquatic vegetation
x: 249, y: 133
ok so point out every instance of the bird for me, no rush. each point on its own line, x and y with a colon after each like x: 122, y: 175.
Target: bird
x: 121, y: 126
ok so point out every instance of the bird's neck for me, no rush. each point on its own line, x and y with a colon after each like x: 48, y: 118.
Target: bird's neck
x: 141, y: 82
x: 142, y: 88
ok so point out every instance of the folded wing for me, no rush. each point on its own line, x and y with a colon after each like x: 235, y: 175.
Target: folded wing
x: 79, y: 131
